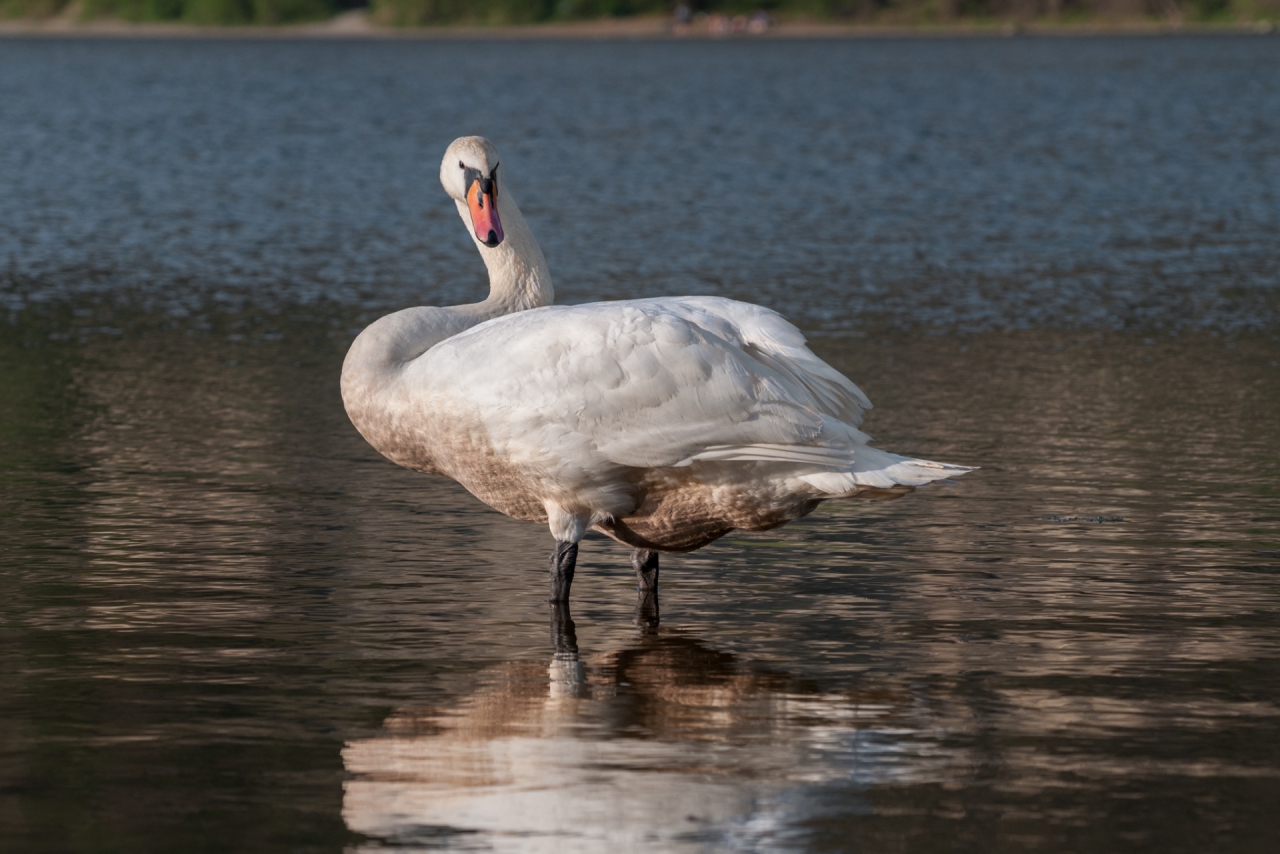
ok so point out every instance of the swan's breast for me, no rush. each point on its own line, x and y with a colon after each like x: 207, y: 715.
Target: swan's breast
x: 423, y: 428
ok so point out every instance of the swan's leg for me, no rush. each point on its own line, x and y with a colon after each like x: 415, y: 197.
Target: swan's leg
x: 563, y: 561
x: 568, y: 529
x: 564, y: 637
x: 646, y: 566
x: 646, y: 615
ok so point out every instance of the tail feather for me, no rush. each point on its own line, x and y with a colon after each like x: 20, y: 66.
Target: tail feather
x: 843, y: 472
x: 879, y: 469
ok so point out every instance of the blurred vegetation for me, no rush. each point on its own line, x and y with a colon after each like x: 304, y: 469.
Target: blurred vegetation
x: 419, y: 12
x: 189, y: 11
x: 485, y: 12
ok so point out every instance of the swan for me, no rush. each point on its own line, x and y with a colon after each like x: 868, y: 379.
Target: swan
x: 662, y: 423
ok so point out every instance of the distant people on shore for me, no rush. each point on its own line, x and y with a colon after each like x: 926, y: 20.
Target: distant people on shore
x: 685, y: 23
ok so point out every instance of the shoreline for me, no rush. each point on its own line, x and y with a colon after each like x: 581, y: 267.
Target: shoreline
x: 357, y: 25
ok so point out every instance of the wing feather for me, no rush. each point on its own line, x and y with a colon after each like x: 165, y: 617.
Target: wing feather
x: 650, y: 383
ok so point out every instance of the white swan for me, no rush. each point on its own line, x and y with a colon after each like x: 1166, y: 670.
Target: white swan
x: 664, y: 423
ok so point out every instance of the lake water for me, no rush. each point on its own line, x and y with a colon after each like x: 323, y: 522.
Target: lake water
x: 228, y: 625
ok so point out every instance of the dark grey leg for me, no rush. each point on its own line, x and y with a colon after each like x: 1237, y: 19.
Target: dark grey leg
x: 564, y: 636
x: 646, y: 566
x: 646, y: 616
x: 563, y: 560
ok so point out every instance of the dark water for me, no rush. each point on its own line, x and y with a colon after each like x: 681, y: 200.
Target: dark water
x: 229, y: 626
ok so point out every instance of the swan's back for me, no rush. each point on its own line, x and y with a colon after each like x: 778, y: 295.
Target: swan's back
x: 709, y: 413
x: 642, y: 383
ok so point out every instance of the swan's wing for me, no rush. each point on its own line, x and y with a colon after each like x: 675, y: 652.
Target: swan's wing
x: 650, y: 383
x: 770, y: 339
x: 838, y: 456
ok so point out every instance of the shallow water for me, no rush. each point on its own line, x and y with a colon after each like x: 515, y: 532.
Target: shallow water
x: 229, y: 625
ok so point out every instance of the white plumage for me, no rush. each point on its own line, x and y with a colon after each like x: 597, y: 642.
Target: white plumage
x: 664, y: 423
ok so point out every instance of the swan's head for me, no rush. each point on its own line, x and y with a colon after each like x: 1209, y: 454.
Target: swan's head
x: 469, y: 173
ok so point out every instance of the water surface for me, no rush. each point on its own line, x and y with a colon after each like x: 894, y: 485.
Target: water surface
x: 230, y: 625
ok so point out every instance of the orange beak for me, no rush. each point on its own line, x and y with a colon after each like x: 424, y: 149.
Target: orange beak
x: 484, y: 212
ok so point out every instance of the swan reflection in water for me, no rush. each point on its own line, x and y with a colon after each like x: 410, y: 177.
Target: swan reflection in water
x: 666, y: 744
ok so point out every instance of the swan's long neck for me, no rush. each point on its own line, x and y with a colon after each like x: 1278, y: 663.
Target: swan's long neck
x: 518, y: 274
x: 518, y: 280
x: 381, y: 354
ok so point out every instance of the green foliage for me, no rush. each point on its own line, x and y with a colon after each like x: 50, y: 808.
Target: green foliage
x: 283, y: 11
x: 192, y: 11
x: 496, y: 12
x: 436, y: 12
x: 419, y: 12
x: 134, y: 10
x: 1210, y: 10
x: 31, y: 8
